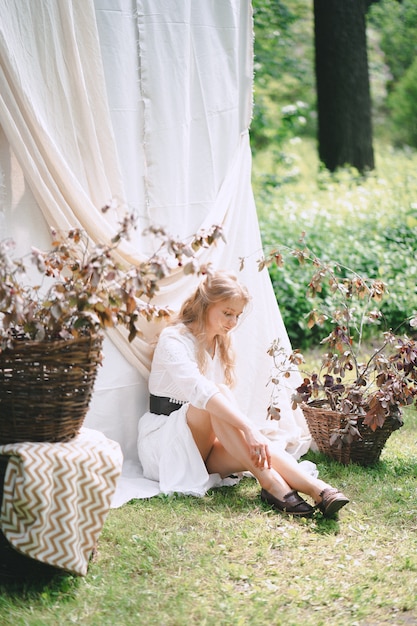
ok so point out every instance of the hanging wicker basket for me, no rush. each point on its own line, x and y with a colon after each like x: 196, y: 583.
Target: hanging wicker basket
x: 46, y: 388
x: 323, y: 423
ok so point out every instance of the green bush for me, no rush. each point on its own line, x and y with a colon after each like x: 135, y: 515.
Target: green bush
x: 283, y: 72
x: 402, y: 103
x: 367, y: 224
x: 396, y: 23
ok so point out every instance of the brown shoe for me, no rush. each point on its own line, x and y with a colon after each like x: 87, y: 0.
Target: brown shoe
x: 293, y: 503
x: 332, y: 500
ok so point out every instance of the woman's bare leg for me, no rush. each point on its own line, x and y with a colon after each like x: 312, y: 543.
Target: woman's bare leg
x: 299, y: 480
x: 225, y: 451
x: 288, y: 474
x: 199, y: 422
x: 229, y: 454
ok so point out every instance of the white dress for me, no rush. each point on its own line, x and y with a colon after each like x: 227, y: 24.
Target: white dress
x: 166, y: 447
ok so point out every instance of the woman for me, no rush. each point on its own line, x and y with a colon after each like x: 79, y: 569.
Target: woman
x: 194, y: 430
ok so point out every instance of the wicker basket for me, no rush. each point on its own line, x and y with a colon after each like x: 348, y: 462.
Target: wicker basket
x: 46, y: 387
x: 322, y: 423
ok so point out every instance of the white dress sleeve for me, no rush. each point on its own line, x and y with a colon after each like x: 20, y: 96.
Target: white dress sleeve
x: 175, y: 373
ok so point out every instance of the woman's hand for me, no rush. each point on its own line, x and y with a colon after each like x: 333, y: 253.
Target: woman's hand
x: 258, y: 449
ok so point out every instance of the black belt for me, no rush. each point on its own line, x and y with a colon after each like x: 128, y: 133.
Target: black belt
x: 163, y: 406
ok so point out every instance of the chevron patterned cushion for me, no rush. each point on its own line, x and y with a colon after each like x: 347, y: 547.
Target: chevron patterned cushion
x: 56, y: 497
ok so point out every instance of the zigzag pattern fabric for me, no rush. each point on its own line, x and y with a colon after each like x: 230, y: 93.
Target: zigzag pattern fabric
x: 56, y: 497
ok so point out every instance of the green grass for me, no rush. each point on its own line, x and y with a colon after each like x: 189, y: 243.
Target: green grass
x: 226, y: 559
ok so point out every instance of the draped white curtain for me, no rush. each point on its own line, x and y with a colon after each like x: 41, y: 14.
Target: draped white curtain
x: 149, y: 102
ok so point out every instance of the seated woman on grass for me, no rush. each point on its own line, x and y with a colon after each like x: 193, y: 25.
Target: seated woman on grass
x: 195, y: 428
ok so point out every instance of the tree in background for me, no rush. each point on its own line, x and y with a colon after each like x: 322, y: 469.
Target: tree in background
x: 285, y: 100
x: 342, y: 80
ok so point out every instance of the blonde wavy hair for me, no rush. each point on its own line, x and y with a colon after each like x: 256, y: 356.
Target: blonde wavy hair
x: 216, y: 287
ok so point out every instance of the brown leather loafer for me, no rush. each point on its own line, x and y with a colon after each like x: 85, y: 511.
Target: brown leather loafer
x: 332, y: 500
x: 293, y: 503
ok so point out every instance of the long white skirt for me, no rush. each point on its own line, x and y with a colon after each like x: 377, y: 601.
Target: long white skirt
x: 169, y: 455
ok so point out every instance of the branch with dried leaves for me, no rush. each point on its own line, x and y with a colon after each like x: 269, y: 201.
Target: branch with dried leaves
x: 83, y: 289
x: 367, y: 386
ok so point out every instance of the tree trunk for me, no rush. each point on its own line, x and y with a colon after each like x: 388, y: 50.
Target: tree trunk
x: 342, y: 78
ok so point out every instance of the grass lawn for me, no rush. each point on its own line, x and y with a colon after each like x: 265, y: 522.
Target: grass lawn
x: 227, y: 559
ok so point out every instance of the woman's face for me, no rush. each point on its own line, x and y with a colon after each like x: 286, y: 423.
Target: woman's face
x: 223, y: 316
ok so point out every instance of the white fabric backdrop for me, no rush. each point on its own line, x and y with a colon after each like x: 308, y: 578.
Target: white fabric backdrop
x: 148, y: 101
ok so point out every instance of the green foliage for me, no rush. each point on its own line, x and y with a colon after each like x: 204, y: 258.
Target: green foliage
x: 397, y: 25
x: 284, y: 75
x: 273, y: 20
x: 368, y: 224
x: 402, y: 104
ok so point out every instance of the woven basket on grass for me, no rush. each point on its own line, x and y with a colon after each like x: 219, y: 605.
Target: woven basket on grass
x: 322, y: 424
x: 46, y: 388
